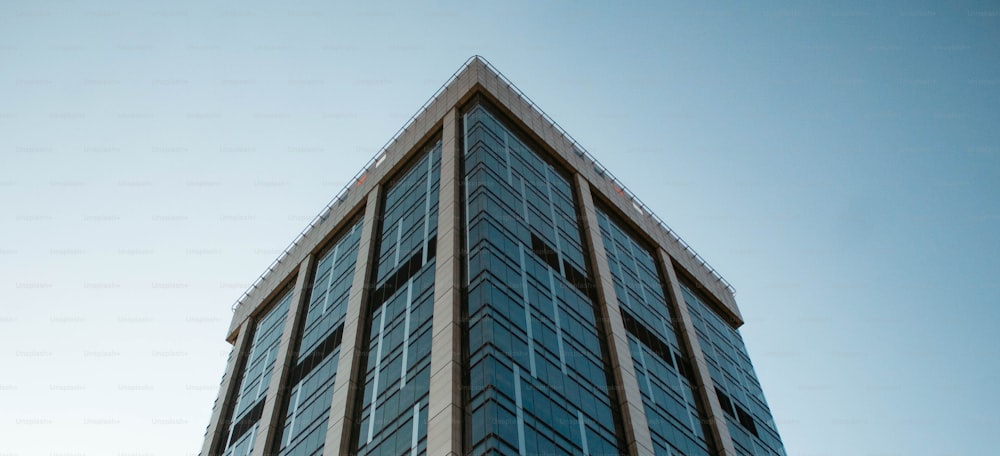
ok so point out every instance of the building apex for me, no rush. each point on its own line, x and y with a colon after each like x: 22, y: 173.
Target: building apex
x: 478, y: 75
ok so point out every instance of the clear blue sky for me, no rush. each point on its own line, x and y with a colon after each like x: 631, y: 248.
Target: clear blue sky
x: 839, y: 164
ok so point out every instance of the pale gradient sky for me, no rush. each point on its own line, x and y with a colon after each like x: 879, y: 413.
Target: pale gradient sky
x: 840, y: 165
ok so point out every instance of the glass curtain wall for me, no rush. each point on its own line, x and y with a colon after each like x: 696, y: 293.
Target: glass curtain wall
x: 255, y: 379
x: 306, y: 402
x: 538, y: 380
x: 393, y: 415
x: 740, y: 395
x: 674, y: 411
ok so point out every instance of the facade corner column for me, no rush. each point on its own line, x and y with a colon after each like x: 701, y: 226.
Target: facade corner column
x: 444, y: 417
x: 227, y: 391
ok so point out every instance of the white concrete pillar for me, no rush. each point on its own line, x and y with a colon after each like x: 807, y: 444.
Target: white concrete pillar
x: 271, y: 418
x: 348, y: 383
x: 688, y: 336
x: 630, y: 406
x: 444, y: 427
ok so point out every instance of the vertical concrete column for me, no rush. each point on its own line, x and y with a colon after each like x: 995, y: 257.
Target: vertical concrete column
x: 271, y: 418
x: 444, y: 427
x: 227, y: 391
x: 629, y: 396
x: 349, y: 368
x: 688, y: 336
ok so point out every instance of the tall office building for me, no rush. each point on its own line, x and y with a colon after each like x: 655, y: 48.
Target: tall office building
x: 484, y: 286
